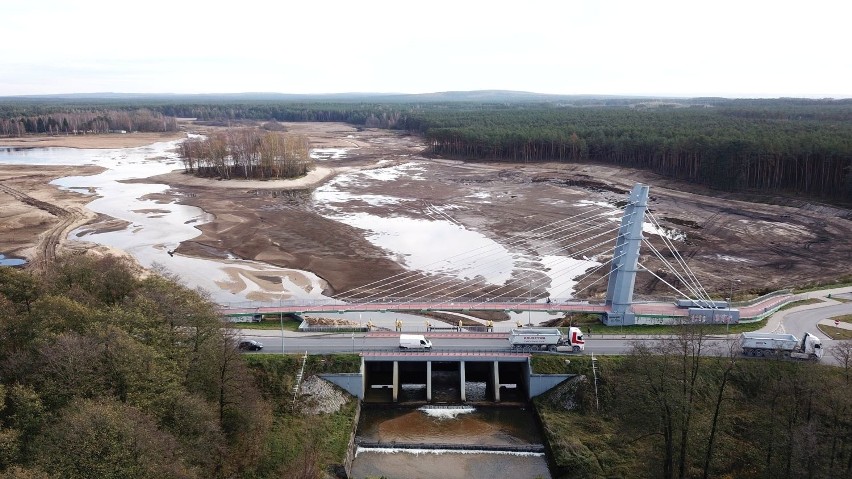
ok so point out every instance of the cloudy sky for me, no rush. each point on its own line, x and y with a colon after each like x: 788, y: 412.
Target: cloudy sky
x: 742, y: 48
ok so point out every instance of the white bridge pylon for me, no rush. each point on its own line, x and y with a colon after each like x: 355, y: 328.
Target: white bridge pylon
x: 625, y: 263
x: 411, y: 293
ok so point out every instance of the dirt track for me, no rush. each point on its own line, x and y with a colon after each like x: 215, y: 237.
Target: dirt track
x: 35, y: 217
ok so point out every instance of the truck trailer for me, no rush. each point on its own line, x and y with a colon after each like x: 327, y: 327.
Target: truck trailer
x: 551, y: 339
x: 784, y: 345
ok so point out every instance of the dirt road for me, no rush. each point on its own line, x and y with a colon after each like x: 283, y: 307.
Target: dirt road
x: 36, y: 217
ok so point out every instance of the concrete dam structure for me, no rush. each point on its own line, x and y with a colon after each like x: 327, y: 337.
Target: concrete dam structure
x: 393, y: 377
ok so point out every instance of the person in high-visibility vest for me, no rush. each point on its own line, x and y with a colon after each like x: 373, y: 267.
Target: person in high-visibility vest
x: 519, y: 323
x: 490, y: 325
x: 460, y: 325
x: 428, y: 325
x: 369, y: 325
x: 398, y: 325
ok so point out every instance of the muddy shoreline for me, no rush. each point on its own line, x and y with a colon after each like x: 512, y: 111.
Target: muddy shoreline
x: 764, y: 246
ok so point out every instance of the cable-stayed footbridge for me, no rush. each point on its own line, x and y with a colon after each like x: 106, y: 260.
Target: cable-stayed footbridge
x: 582, y: 250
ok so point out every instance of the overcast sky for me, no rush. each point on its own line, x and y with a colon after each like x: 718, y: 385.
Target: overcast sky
x: 741, y: 48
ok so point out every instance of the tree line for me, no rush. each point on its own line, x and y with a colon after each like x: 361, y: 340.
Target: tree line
x: 105, y: 374
x: 788, y: 145
x: 83, y: 122
x: 717, y: 149
x: 794, y: 146
x: 247, y: 153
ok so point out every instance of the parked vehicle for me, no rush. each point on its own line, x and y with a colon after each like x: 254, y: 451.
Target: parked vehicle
x: 414, y: 341
x: 550, y: 339
x: 785, y: 345
x: 250, y: 345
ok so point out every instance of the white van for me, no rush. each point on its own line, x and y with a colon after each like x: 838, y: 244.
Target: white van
x: 414, y: 341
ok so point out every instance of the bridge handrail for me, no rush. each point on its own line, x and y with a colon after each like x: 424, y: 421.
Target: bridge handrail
x: 401, y: 301
x: 760, y: 299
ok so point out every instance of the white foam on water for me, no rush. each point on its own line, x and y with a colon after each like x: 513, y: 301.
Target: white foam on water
x: 446, y: 412
x: 418, y: 452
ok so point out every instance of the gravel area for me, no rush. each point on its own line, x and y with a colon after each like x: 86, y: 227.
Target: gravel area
x: 320, y: 396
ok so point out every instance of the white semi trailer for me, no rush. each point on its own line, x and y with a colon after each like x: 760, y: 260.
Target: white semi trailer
x: 786, y: 345
x: 550, y: 339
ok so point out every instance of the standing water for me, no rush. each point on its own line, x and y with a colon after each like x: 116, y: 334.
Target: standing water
x: 448, y: 442
x: 155, y: 229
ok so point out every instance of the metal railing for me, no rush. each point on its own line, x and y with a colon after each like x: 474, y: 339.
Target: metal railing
x: 401, y: 301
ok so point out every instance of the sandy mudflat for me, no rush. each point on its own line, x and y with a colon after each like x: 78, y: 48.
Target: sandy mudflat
x: 35, y: 215
x: 181, y: 178
x: 777, y: 243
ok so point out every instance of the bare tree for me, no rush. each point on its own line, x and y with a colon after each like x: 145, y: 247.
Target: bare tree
x: 730, y: 364
x: 842, y: 352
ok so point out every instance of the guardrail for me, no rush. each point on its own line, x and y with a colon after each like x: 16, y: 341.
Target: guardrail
x: 333, y: 329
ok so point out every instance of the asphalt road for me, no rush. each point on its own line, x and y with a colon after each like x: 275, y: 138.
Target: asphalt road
x: 795, y: 321
x: 347, y: 343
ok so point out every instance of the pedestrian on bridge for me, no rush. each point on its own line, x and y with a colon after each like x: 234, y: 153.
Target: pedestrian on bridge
x: 428, y: 325
x: 519, y: 323
x: 399, y: 325
x: 490, y: 326
x: 460, y: 325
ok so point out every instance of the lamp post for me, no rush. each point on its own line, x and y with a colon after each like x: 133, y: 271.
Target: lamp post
x: 730, y: 304
x: 281, y: 319
x: 529, y: 308
x: 731, y: 293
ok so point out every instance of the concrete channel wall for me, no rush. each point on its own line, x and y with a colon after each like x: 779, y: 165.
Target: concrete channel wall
x: 541, y: 383
x: 353, y: 383
x: 350, y: 450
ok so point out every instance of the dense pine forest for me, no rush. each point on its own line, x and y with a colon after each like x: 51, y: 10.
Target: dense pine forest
x: 781, y: 146
x: 725, y: 149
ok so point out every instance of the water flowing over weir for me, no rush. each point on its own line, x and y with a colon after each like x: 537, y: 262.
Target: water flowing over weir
x: 448, y: 442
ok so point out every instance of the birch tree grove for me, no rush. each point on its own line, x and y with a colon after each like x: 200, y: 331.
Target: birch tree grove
x: 249, y: 154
